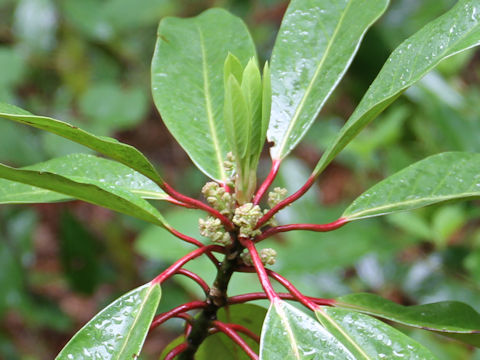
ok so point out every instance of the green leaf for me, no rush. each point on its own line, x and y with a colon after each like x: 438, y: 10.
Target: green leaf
x: 266, y: 103
x: 315, y: 46
x: 442, y: 177
x: 455, y: 31
x: 233, y: 67
x: 85, y: 169
x: 237, y: 126
x: 187, y: 82
x: 219, y: 346
x: 368, y: 338
x: 123, y: 153
x: 288, y: 333
x: 119, y: 330
x: 92, y: 191
x: 449, y: 318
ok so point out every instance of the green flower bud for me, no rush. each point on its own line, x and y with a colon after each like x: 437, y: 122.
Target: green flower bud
x: 246, y: 217
x: 218, y: 198
x: 275, y: 196
x: 267, y: 256
x: 212, y: 228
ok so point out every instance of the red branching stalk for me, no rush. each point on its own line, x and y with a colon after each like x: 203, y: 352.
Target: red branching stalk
x: 194, y: 242
x: 286, y: 202
x: 173, y: 269
x: 197, y: 204
x: 309, y: 227
x: 240, y: 299
x: 268, y: 181
x: 179, y: 203
x: 195, y: 278
x: 231, y: 333
x: 260, y: 269
x: 161, y: 318
x: 176, y: 351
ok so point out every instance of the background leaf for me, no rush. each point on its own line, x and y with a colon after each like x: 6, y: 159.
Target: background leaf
x: 123, y: 153
x: 441, y: 177
x: 314, y: 47
x: 82, y: 168
x: 455, y: 31
x: 369, y: 338
x: 187, y: 82
x: 119, y: 330
x: 446, y: 317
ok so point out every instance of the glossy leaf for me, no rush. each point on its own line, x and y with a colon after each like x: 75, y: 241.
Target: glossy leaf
x: 266, y: 103
x: 368, y: 338
x: 119, y: 330
x: 455, y: 31
x: 187, y: 82
x: 314, y: 48
x: 92, y: 191
x: 449, y: 318
x: 110, y: 147
x: 442, y: 177
x: 220, y: 346
x: 288, y: 333
x: 83, y: 168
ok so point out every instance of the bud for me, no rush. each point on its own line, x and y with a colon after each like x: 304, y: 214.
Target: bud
x: 246, y: 217
x: 275, y: 196
x: 267, y: 256
x: 218, y: 198
x: 212, y: 228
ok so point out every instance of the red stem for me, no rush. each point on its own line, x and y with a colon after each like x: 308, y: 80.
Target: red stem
x: 194, y: 242
x: 177, y: 350
x: 195, y: 278
x: 268, y: 181
x: 173, y: 269
x: 235, y: 337
x: 197, y: 204
x: 240, y: 299
x: 179, y: 203
x: 286, y: 202
x: 244, y: 330
x: 309, y: 227
x: 161, y: 318
x: 260, y: 269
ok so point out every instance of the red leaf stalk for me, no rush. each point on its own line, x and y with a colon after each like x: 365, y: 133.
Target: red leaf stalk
x: 173, y: 269
x: 179, y: 203
x: 240, y: 299
x: 195, y: 278
x: 309, y: 227
x: 161, y: 318
x: 286, y: 202
x: 176, y: 351
x: 260, y: 269
x: 230, y: 332
x: 194, y: 242
x: 268, y: 181
x: 197, y: 204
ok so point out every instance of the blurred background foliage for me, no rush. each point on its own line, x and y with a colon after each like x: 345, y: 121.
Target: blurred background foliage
x: 87, y: 62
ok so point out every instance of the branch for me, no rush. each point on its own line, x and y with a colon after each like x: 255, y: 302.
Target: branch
x: 228, y: 330
x: 173, y: 269
x: 240, y: 299
x: 176, y: 351
x: 309, y: 227
x: 161, y: 318
x: 268, y: 181
x: 197, y: 204
x: 286, y: 202
x: 179, y: 203
x: 195, y: 278
x: 260, y: 269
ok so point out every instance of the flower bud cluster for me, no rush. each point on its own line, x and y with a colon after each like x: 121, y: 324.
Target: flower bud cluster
x: 275, y: 196
x: 212, y: 228
x: 267, y: 256
x: 246, y: 217
x: 219, y: 198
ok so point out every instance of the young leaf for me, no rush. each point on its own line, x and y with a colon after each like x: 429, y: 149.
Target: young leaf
x: 92, y: 191
x: 187, y: 82
x: 288, y: 333
x: 266, y: 103
x: 237, y: 126
x: 314, y: 47
x: 233, y: 67
x: 368, y: 338
x: 123, y: 153
x: 455, y: 31
x: 82, y: 168
x: 119, y: 330
x: 449, y: 318
x: 442, y: 177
